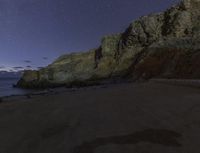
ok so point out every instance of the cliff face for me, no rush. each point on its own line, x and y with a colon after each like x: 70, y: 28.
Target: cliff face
x: 158, y: 45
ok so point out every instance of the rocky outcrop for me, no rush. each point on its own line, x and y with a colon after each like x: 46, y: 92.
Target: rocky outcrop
x: 168, y: 63
x: 158, y: 45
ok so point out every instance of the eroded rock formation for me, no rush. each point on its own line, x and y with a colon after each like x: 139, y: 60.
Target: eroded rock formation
x: 158, y: 45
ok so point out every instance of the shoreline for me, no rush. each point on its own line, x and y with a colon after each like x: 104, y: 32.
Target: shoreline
x: 49, y: 91
x: 59, y: 90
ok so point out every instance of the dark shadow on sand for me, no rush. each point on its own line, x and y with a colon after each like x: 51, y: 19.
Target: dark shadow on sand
x: 155, y: 136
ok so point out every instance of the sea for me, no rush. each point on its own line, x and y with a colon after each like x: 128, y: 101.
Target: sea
x: 7, y: 89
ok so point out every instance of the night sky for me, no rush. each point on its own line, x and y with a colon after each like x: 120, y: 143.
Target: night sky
x: 33, y: 33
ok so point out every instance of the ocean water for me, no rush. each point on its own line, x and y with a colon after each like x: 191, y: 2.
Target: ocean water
x: 6, y: 87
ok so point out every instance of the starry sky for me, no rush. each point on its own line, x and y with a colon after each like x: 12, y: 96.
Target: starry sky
x: 33, y: 33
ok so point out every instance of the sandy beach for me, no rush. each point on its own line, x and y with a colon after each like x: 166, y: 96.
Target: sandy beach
x: 125, y: 118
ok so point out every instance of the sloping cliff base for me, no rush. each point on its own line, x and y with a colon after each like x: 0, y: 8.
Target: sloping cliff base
x: 165, y: 45
x: 127, y: 118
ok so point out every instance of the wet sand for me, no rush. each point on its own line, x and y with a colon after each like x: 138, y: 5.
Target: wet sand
x: 126, y: 118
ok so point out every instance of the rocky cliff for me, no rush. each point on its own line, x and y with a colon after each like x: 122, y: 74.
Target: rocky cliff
x: 158, y: 45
